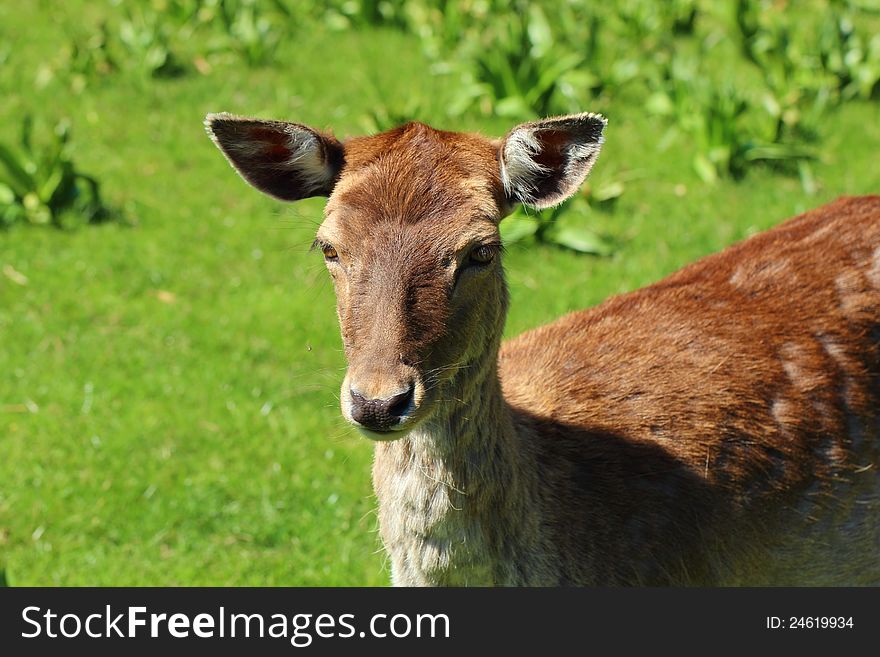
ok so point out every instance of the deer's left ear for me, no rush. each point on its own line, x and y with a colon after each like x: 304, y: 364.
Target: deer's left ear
x: 544, y: 162
x: 286, y: 160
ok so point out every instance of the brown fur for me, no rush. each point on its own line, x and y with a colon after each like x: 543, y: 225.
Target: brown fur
x: 718, y: 427
x: 749, y: 382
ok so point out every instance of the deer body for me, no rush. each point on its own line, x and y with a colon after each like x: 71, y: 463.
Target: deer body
x: 687, y: 447
x: 721, y: 426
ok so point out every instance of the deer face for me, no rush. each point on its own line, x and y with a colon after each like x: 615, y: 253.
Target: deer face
x: 410, y: 239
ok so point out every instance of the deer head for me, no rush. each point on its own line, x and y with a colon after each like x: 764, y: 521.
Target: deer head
x: 410, y: 238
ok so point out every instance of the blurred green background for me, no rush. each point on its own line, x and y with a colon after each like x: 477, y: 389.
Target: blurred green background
x: 169, y: 355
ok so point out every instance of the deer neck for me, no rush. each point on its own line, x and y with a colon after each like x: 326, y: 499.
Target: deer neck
x: 456, y: 506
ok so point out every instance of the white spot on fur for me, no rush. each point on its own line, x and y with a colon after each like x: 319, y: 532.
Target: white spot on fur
x: 836, y: 351
x: 792, y: 355
x: 854, y: 295
x: 821, y: 233
x: 759, y: 272
x: 874, y: 271
x: 782, y: 412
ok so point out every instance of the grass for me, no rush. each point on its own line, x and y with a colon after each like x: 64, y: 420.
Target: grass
x: 168, y: 410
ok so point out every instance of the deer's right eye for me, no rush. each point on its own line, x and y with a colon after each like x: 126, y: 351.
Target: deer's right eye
x: 482, y: 254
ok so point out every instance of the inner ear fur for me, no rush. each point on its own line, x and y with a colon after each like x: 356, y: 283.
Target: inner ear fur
x: 288, y: 161
x: 544, y: 162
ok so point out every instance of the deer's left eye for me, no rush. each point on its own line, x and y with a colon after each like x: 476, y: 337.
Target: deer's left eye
x: 330, y: 253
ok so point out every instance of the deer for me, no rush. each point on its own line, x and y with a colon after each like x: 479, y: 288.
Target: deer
x: 716, y: 428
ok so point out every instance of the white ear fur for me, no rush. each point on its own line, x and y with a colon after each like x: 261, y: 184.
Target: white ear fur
x: 544, y: 162
x: 518, y: 166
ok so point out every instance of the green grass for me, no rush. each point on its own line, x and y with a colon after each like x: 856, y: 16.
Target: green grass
x: 168, y: 386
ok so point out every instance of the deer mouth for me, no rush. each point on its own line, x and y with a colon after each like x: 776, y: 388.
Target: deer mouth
x: 383, y: 436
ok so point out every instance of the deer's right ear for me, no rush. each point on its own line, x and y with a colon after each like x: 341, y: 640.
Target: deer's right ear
x: 286, y: 160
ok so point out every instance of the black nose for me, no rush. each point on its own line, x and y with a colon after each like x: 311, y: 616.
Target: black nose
x: 380, y: 414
